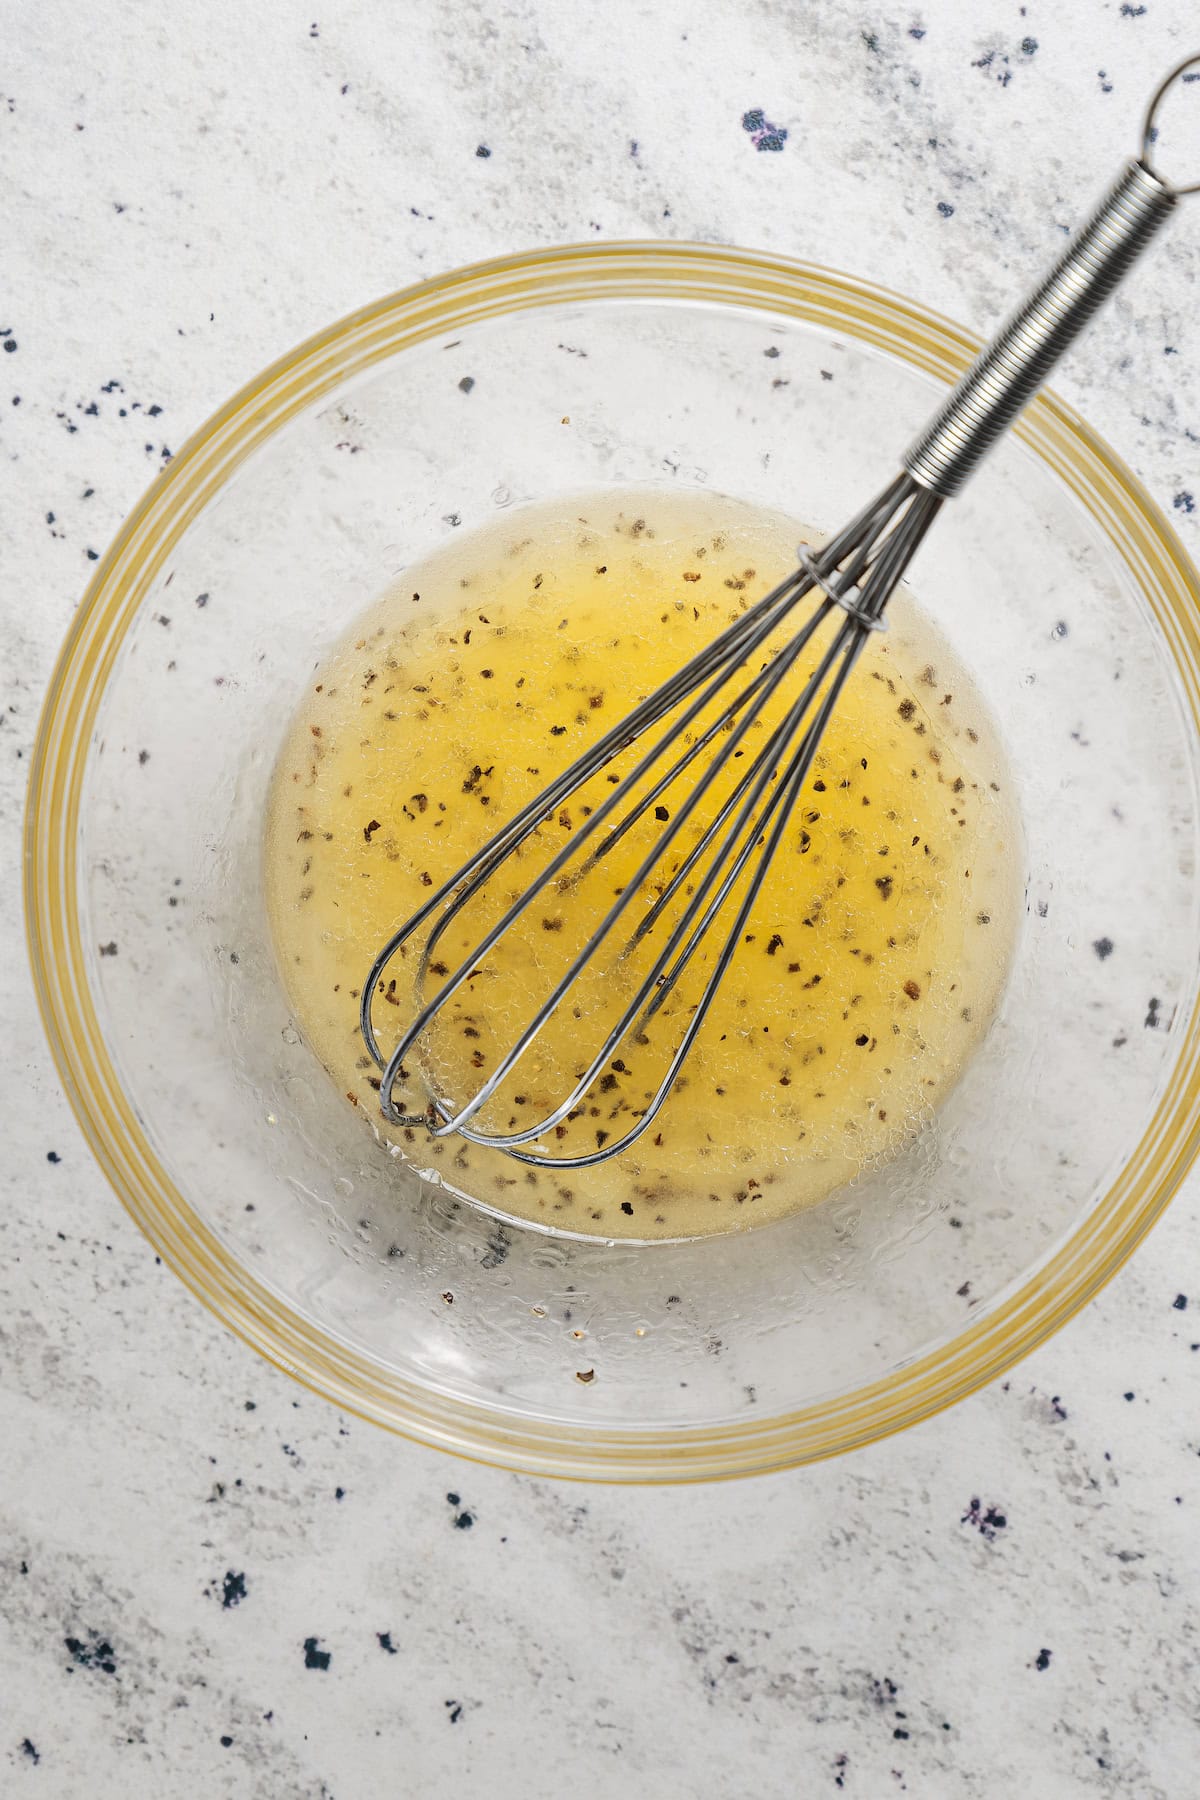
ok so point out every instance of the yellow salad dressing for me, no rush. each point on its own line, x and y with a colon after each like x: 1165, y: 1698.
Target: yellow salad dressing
x: 875, y: 952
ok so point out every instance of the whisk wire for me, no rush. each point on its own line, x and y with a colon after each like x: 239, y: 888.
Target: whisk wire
x: 734, y: 644
x: 625, y: 898
x: 740, y: 638
x: 872, y: 550
x: 480, y: 868
x: 779, y: 807
x: 654, y: 977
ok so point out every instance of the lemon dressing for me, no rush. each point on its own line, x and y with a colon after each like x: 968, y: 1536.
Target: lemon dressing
x: 876, y: 950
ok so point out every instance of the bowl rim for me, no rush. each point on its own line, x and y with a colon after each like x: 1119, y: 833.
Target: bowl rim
x: 747, y: 280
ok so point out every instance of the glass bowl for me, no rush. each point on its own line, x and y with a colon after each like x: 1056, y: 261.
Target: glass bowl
x: 1063, y: 591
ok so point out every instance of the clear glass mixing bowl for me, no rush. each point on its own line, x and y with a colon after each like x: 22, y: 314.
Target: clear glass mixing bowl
x: 1061, y: 587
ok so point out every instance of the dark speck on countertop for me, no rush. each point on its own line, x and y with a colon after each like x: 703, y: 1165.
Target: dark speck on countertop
x: 92, y: 1652
x: 763, y: 134
x: 233, y: 1589
x: 987, y: 1520
x: 1103, y: 947
x: 314, y: 1656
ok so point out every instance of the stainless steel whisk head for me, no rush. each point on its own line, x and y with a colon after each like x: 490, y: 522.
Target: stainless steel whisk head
x: 730, y: 703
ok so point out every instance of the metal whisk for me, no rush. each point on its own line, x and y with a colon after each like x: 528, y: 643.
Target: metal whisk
x: 713, y: 702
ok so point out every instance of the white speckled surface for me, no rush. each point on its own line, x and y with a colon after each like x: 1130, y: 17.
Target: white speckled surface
x: 187, y: 193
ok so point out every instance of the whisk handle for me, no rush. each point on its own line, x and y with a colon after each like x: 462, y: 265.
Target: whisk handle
x: 1006, y: 374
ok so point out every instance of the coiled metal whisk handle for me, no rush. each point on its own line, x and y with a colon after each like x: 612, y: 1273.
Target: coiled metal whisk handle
x: 1006, y: 374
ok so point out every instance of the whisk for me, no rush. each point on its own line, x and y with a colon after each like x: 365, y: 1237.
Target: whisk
x: 710, y: 707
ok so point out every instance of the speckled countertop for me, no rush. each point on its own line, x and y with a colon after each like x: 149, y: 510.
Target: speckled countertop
x: 209, y: 1582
